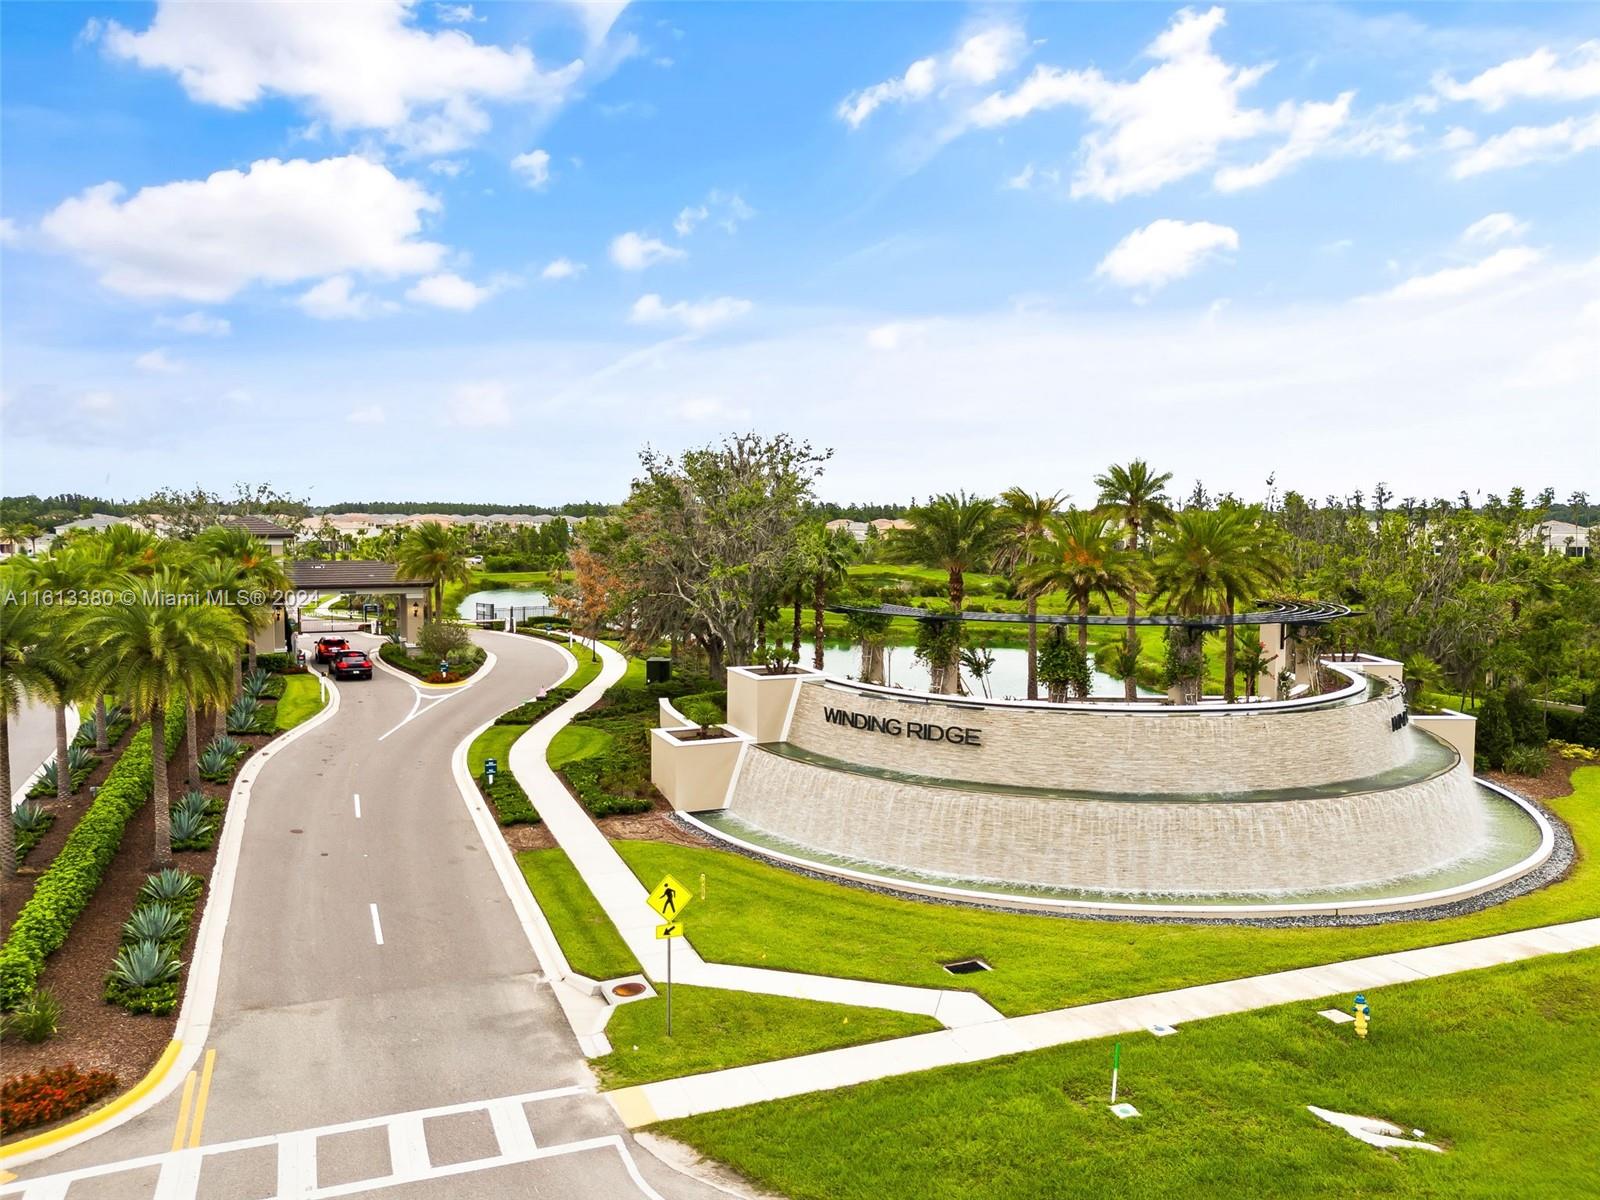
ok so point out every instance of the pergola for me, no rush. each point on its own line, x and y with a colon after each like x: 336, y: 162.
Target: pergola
x: 365, y: 577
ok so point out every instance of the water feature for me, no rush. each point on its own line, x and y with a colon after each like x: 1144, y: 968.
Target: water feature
x: 501, y: 598
x: 1007, y: 679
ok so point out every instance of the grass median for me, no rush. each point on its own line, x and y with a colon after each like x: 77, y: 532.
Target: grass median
x: 712, y: 1028
x: 302, y: 699
x: 1498, y: 1066
x: 763, y: 916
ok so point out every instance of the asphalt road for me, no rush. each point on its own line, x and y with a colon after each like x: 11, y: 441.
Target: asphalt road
x: 32, y: 733
x: 373, y: 966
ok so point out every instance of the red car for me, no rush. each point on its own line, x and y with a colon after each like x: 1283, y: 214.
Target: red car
x: 328, y: 647
x: 350, y: 664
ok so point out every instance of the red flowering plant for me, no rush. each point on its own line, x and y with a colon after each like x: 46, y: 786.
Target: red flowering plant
x: 48, y: 1096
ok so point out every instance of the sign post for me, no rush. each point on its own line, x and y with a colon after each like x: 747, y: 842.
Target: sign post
x: 669, y: 898
x: 1116, y: 1063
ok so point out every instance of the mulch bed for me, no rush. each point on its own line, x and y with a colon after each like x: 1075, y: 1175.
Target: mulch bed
x: 656, y: 825
x: 93, y: 1033
x: 1552, y: 785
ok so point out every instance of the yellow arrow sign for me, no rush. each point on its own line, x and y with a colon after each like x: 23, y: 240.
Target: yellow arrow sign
x: 671, y: 929
x: 670, y: 898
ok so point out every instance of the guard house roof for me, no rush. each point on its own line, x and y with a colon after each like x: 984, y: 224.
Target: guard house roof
x: 261, y: 527
x: 349, y: 575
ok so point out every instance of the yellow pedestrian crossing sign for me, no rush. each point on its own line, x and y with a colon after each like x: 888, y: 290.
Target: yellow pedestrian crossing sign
x: 670, y: 898
x: 672, y: 929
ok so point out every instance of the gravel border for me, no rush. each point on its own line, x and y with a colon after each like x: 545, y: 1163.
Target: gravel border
x: 1562, y: 856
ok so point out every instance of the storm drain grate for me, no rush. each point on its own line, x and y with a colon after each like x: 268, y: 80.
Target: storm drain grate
x: 966, y: 966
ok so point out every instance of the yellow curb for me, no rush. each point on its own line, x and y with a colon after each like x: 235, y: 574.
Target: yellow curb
x: 129, y: 1098
x: 445, y: 687
x: 633, y: 1106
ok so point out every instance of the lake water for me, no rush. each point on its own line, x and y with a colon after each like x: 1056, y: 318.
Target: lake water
x: 502, y: 598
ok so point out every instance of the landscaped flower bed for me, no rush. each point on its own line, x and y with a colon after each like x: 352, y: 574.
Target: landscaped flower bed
x: 27, y: 1101
x: 462, y: 667
x: 144, y: 976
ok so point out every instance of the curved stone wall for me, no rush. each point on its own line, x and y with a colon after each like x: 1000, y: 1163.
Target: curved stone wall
x: 1135, y: 753
x: 1116, y: 845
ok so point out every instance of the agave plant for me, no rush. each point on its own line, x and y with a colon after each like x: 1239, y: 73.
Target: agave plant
x: 29, y: 817
x: 169, y: 885
x: 255, y: 683
x: 188, y: 825
x: 232, y: 747
x: 153, y: 922
x: 144, y: 964
x: 193, y: 801
x: 245, y: 715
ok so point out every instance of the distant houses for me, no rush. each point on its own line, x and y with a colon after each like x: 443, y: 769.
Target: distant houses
x: 859, y: 529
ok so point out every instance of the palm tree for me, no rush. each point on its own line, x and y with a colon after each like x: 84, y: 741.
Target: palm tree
x: 432, y: 552
x: 59, y: 661
x: 956, y: 533
x: 1212, y: 557
x: 22, y: 627
x: 257, y: 570
x: 152, y: 652
x: 1027, y: 518
x: 1085, y: 560
x: 828, y: 555
x: 1136, y: 496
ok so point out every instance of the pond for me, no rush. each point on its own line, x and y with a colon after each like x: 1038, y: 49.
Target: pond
x: 501, y: 598
x: 1007, y: 679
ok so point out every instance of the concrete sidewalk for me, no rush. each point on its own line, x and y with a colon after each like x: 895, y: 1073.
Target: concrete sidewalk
x: 623, y: 897
x: 739, y: 1086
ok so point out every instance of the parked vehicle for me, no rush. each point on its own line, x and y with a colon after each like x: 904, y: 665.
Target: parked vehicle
x: 350, y: 664
x: 327, y: 647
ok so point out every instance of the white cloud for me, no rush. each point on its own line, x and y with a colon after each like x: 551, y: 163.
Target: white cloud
x: 894, y: 335
x: 709, y: 408
x: 448, y: 167
x: 367, y: 414
x: 457, y: 14
x: 448, y: 290
x: 478, y: 406
x: 10, y: 235
x: 533, y: 168
x: 1495, y: 227
x: 980, y: 58
x: 1164, y: 251
x: 278, y: 222
x: 635, y: 251
x: 1541, y: 75
x: 1459, y: 281
x: 197, y: 324
x: 335, y: 299
x: 649, y: 309
x: 726, y: 210
x: 1171, y: 122
x: 1526, y: 144
x: 99, y: 404
x: 562, y: 268
x: 1031, y: 177
x: 158, y: 362
x: 356, y: 66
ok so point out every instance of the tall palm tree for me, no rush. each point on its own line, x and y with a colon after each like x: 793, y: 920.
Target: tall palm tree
x: 956, y: 533
x: 829, y: 553
x: 1136, y: 496
x: 1212, y: 558
x: 432, y: 551
x: 151, y: 653
x: 22, y: 627
x: 1084, y: 561
x: 258, y: 572
x: 120, y: 555
x: 1026, y: 516
x: 59, y: 661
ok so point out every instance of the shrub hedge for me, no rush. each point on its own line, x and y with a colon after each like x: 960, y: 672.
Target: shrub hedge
x: 461, y: 667
x: 530, y: 711
x: 67, y: 886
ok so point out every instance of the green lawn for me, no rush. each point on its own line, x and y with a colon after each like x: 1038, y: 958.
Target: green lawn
x: 711, y: 1028
x: 588, y: 938
x: 575, y: 742
x: 1501, y: 1067
x: 762, y: 916
x: 301, y: 700
x: 494, y: 742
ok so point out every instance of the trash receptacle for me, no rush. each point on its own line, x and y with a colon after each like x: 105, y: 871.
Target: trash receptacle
x: 657, y: 670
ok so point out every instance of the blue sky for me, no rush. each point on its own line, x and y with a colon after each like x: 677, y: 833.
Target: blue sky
x: 380, y: 250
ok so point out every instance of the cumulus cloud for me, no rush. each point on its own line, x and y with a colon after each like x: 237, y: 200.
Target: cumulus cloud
x: 367, y: 414
x: 979, y: 58
x: 710, y: 408
x: 456, y: 14
x: 1031, y: 177
x: 697, y: 317
x: 635, y: 251
x: 562, y: 268
x: 357, y: 66
x: 533, y: 168
x: 448, y: 167
x: 10, y: 235
x: 336, y: 299
x: 1495, y: 227
x: 1174, y: 120
x: 197, y: 324
x: 1459, y: 281
x: 1164, y: 251
x: 1542, y: 75
x: 726, y: 210
x: 158, y: 362
x: 478, y: 406
x: 1523, y: 144
x: 894, y: 335
x: 448, y: 290
x: 278, y: 222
